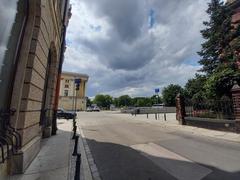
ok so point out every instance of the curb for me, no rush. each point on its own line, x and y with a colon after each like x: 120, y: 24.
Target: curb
x: 91, y: 169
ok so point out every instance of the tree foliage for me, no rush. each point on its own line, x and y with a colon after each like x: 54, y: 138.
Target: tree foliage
x: 194, y: 88
x: 169, y: 94
x: 220, y: 51
x: 103, y: 101
x: 216, y: 35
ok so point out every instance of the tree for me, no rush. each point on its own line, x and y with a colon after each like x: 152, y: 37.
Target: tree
x: 169, y: 94
x: 217, y: 35
x: 194, y: 88
x: 124, y: 100
x: 142, y: 102
x: 89, y: 102
x: 156, y: 99
x: 103, y: 101
x: 220, y: 82
x: 220, y: 52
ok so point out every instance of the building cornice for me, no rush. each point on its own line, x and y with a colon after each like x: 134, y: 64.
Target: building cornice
x: 75, y: 74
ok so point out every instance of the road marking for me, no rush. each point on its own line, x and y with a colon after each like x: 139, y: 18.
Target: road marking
x: 176, y: 165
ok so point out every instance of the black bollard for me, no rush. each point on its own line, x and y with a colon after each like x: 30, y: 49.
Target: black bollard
x: 75, y: 146
x: 78, y: 167
x: 74, y: 132
x: 165, y: 118
x: 147, y: 115
x: 156, y: 116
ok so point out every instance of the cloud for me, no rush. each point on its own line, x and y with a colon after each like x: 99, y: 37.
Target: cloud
x: 132, y: 47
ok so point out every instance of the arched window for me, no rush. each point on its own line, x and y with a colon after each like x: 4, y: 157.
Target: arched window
x: 13, y: 15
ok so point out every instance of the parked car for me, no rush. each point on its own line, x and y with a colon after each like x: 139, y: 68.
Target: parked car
x: 89, y: 109
x: 61, y: 113
x: 96, y: 109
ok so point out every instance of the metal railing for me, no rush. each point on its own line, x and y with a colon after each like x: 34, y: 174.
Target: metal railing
x: 210, y: 109
x: 9, y: 137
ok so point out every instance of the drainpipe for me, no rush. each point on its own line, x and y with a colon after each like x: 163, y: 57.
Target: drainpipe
x: 63, y: 47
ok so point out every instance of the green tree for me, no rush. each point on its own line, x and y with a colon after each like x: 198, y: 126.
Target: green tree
x: 217, y: 36
x: 194, y: 88
x: 124, y: 100
x: 156, y: 99
x: 220, y: 82
x: 103, y: 101
x: 220, y: 51
x: 89, y: 102
x: 169, y: 94
x: 142, y: 102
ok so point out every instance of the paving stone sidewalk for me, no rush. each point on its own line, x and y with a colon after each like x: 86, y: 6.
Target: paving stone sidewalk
x: 55, y: 160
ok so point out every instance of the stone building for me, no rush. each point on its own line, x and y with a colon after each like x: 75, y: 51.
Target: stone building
x: 32, y: 43
x: 69, y: 97
x: 235, y: 6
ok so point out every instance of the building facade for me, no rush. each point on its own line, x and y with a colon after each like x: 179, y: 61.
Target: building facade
x: 32, y: 43
x: 235, y: 6
x: 70, y: 98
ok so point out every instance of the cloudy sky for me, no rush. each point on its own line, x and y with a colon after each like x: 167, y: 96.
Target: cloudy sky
x: 134, y: 46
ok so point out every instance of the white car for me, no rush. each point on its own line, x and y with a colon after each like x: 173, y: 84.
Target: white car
x: 158, y: 106
x: 95, y: 108
x: 89, y: 109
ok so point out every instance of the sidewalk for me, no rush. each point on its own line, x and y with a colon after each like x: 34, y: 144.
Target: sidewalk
x: 172, y: 124
x: 53, y: 160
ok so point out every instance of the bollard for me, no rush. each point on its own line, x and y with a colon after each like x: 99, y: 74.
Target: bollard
x: 165, y: 118
x: 155, y: 116
x: 74, y: 124
x: 147, y: 115
x: 74, y: 132
x: 75, y: 146
x: 78, y: 167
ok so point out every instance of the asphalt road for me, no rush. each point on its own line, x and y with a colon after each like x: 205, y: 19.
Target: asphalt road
x: 134, y: 148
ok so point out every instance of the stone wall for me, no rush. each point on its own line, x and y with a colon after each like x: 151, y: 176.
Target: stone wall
x: 42, y: 37
x: 67, y: 103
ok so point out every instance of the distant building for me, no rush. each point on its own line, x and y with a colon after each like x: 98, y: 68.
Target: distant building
x: 69, y: 97
x: 235, y: 6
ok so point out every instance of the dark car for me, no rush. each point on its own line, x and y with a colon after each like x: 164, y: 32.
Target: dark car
x: 61, y: 113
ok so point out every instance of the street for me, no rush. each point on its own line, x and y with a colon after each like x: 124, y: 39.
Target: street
x: 136, y: 148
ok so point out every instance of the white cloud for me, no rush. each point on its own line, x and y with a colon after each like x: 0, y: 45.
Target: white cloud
x: 111, y: 41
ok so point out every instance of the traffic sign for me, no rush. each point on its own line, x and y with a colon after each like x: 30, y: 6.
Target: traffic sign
x: 157, y: 90
x: 77, y: 81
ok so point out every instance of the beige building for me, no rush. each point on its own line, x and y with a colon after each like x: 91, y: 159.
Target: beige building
x: 69, y: 97
x: 32, y: 43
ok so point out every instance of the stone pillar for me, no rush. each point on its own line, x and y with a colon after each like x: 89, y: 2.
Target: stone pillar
x: 236, y: 105
x: 180, y: 109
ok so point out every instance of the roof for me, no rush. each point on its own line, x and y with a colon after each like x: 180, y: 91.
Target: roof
x: 75, y: 74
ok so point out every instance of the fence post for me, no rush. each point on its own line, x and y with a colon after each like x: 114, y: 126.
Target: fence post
x: 236, y: 105
x: 180, y: 109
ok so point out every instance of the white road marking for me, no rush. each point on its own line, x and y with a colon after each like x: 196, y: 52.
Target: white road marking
x: 176, y: 165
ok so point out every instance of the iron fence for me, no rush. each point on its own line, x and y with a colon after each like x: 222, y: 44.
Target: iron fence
x: 212, y: 109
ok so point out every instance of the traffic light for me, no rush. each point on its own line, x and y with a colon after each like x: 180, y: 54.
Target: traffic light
x: 77, y: 87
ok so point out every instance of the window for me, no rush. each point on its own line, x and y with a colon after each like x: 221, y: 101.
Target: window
x: 12, y: 18
x: 65, y: 92
x: 67, y: 81
x: 66, y: 86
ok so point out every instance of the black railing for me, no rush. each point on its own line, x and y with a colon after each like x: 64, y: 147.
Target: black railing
x: 215, y: 109
x: 9, y: 137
